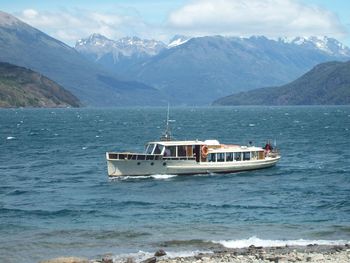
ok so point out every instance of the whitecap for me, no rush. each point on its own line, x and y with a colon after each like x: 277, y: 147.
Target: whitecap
x: 130, y: 177
x: 242, y: 243
x: 163, y: 176
x: 84, y: 148
x: 251, y: 124
x: 184, y: 254
x: 10, y: 138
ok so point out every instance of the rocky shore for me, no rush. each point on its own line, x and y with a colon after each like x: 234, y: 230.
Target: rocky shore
x: 252, y: 254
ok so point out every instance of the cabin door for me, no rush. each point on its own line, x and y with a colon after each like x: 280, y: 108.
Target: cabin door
x: 197, y: 152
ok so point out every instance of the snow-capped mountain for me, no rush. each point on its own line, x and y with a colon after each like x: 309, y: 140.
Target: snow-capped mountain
x: 202, y: 68
x: 98, y: 46
x: 325, y: 44
x: 196, y: 70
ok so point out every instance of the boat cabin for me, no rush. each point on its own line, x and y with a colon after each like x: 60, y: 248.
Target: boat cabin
x: 204, y: 151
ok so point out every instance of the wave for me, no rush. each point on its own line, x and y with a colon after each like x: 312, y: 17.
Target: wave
x: 195, y: 243
x: 242, y: 243
x: 18, y: 192
x: 163, y: 176
x: 134, y: 203
x: 45, y: 213
x: 153, y: 176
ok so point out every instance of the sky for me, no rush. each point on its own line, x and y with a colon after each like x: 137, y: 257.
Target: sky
x: 70, y: 20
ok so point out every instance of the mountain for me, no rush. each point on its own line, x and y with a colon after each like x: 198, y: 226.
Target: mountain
x: 196, y: 71
x: 118, y: 55
x: 23, y: 45
x: 203, y: 69
x: 325, y: 84
x: 21, y: 87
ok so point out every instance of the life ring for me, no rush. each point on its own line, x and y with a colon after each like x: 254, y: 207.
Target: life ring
x: 204, y: 151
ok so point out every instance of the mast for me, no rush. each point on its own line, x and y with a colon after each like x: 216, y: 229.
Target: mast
x: 166, y: 136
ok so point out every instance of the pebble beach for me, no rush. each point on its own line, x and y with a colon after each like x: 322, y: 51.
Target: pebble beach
x: 311, y: 253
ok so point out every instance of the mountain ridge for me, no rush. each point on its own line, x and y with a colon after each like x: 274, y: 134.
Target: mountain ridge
x: 22, y: 87
x: 25, y: 46
x: 326, y: 84
x: 198, y: 70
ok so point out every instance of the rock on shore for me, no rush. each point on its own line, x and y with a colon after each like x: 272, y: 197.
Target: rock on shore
x: 312, y: 253
x: 252, y: 254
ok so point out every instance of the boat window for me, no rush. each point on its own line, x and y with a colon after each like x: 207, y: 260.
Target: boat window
x: 229, y: 157
x: 254, y: 155
x: 159, y: 148
x: 211, y: 157
x: 220, y: 157
x: 150, y: 148
x: 246, y: 156
x: 181, y: 150
x: 237, y: 156
x: 170, y: 151
x: 189, y: 150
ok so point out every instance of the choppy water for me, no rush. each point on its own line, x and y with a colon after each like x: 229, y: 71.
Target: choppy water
x: 56, y: 199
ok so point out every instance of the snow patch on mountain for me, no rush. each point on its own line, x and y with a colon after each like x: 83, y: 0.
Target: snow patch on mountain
x: 178, y: 40
x: 128, y: 46
x: 325, y: 44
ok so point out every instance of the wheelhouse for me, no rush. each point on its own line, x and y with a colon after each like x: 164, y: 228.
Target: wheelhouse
x: 175, y: 150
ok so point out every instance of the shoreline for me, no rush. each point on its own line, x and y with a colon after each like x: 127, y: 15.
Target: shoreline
x: 252, y: 254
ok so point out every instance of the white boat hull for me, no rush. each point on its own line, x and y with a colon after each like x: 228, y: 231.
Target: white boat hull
x: 182, y: 167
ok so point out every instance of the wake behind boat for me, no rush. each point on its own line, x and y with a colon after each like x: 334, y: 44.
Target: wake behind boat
x: 169, y: 156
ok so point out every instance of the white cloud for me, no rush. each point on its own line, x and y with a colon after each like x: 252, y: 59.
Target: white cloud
x: 272, y: 18
x: 71, y: 25
x: 30, y: 13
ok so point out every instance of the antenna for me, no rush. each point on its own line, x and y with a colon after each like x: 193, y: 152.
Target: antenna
x: 167, y: 134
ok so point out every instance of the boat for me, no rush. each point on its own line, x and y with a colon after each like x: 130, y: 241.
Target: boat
x: 168, y: 156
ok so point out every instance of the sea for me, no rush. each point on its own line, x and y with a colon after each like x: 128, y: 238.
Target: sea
x: 56, y: 198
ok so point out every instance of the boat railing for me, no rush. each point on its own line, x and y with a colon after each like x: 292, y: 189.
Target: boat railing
x: 134, y: 156
x: 144, y: 157
x: 179, y: 158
